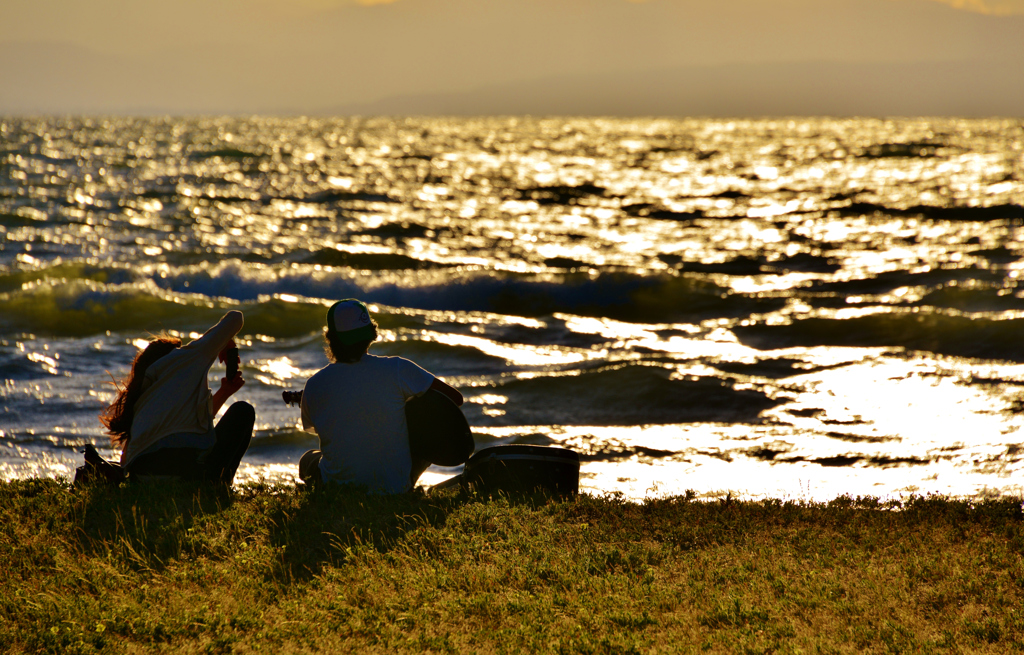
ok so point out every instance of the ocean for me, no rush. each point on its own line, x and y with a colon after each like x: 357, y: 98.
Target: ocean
x: 797, y: 309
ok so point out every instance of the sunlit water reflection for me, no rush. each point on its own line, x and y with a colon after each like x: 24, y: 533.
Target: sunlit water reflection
x: 797, y: 309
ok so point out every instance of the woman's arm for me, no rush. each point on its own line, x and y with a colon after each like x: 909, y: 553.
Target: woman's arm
x: 216, y: 340
x: 217, y: 337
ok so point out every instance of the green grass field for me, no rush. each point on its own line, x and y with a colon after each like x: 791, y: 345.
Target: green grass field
x: 277, y: 570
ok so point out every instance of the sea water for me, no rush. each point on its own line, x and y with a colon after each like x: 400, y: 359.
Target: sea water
x: 769, y: 308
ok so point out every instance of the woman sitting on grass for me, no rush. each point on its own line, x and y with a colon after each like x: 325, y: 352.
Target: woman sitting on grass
x: 162, y: 417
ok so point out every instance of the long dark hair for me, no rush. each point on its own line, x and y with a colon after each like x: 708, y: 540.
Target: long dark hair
x: 118, y: 417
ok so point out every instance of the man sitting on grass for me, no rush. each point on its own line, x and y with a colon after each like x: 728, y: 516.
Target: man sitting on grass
x: 356, y: 406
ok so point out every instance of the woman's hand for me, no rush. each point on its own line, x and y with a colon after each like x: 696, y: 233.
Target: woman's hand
x: 227, y: 389
x: 222, y: 356
x: 232, y: 385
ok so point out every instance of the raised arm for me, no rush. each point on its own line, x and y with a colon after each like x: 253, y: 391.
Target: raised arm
x: 215, y: 340
x: 218, y: 337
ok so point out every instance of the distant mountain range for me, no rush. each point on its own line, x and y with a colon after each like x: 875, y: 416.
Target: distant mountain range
x: 970, y: 89
x: 65, y: 79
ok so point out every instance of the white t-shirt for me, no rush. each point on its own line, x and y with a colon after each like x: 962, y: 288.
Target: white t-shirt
x: 175, y: 396
x: 358, y: 411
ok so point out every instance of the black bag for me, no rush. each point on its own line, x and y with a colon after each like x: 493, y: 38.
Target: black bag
x: 519, y: 469
x: 97, y: 468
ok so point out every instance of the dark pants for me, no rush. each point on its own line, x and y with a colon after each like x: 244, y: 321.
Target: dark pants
x: 217, y: 464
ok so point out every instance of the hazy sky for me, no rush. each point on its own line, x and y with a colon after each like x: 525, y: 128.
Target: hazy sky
x: 314, y: 56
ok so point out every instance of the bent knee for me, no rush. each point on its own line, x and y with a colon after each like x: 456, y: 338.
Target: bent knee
x: 243, y: 411
x: 309, y: 466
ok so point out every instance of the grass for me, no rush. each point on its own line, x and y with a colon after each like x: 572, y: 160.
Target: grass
x: 273, y: 569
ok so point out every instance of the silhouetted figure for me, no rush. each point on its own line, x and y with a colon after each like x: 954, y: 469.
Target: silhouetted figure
x: 162, y: 417
x: 356, y: 406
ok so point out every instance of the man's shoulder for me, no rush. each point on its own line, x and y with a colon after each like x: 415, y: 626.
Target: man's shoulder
x: 336, y: 370
x: 390, y: 360
x: 325, y: 372
x: 384, y: 361
x: 367, y: 366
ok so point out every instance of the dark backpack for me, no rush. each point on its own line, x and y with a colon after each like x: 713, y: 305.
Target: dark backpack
x: 97, y: 468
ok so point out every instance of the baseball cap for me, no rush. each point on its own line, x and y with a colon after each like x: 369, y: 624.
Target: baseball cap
x: 349, y: 320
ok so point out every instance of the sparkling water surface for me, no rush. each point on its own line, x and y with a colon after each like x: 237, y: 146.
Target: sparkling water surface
x: 785, y: 308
